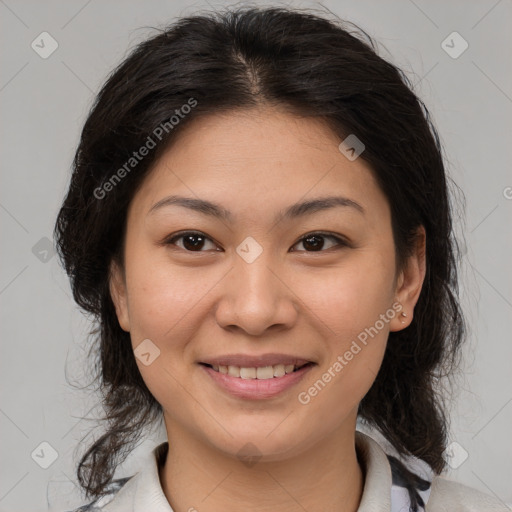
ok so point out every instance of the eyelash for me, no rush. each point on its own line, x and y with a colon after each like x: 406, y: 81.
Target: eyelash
x: 340, y: 242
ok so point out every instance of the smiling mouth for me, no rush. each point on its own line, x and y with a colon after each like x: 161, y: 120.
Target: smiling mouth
x: 259, y: 373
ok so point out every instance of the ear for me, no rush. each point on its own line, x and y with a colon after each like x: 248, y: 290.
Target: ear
x: 117, y: 285
x: 409, y: 283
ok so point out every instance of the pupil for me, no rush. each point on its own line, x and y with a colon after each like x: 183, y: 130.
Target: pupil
x: 314, y: 241
x: 190, y: 245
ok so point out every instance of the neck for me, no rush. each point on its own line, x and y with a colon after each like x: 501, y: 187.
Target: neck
x: 324, y: 478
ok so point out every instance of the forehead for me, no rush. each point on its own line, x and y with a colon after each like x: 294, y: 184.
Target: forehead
x: 256, y: 134
x: 256, y: 159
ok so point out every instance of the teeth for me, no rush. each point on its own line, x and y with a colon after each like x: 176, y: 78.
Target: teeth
x: 233, y: 371
x: 279, y: 370
x: 248, y: 373
x: 261, y: 373
x: 265, y: 372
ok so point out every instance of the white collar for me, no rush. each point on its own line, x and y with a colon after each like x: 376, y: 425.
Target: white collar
x: 143, y: 492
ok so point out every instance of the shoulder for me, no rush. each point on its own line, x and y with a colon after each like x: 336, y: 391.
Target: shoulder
x: 140, y: 492
x: 110, y: 492
x: 448, y: 495
x: 414, y: 485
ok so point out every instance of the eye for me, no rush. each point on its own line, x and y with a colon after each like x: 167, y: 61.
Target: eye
x: 314, y: 241
x: 193, y: 241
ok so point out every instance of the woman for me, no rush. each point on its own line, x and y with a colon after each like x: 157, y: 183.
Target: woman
x: 259, y: 220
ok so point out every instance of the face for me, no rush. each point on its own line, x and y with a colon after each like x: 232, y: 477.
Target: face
x: 250, y: 278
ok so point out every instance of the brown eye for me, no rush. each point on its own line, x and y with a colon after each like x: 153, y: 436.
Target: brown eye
x: 192, y: 241
x: 315, y: 242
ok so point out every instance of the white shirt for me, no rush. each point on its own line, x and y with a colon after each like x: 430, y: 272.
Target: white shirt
x: 381, y: 493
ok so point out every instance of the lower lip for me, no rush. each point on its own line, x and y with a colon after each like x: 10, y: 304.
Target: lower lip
x: 255, y: 388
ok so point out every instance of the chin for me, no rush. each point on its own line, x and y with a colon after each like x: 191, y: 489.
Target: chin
x: 261, y: 446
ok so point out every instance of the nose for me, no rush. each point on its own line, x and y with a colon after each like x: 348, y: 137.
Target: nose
x: 256, y: 297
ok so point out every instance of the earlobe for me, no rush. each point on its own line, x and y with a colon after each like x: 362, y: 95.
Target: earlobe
x: 410, y: 283
x: 118, y: 294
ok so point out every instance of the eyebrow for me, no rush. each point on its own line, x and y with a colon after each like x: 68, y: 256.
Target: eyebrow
x: 294, y: 211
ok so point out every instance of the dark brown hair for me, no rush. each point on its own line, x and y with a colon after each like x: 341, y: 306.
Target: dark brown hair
x: 310, y: 66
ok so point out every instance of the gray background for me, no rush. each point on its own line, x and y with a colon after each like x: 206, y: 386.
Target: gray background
x: 43, y: 105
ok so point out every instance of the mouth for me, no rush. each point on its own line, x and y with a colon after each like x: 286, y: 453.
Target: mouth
x: 257, y: 383
x: 260, y: 372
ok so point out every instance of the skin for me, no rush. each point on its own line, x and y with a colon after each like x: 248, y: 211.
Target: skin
x: 291, y: 299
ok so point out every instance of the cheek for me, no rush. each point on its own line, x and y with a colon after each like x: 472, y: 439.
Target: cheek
x: 354, y: 312
x: 161, y: 296
x: 353, y: 306
x: 351, y: 297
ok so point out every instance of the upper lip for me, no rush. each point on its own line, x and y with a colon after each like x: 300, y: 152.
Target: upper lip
x: 247, y: 361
